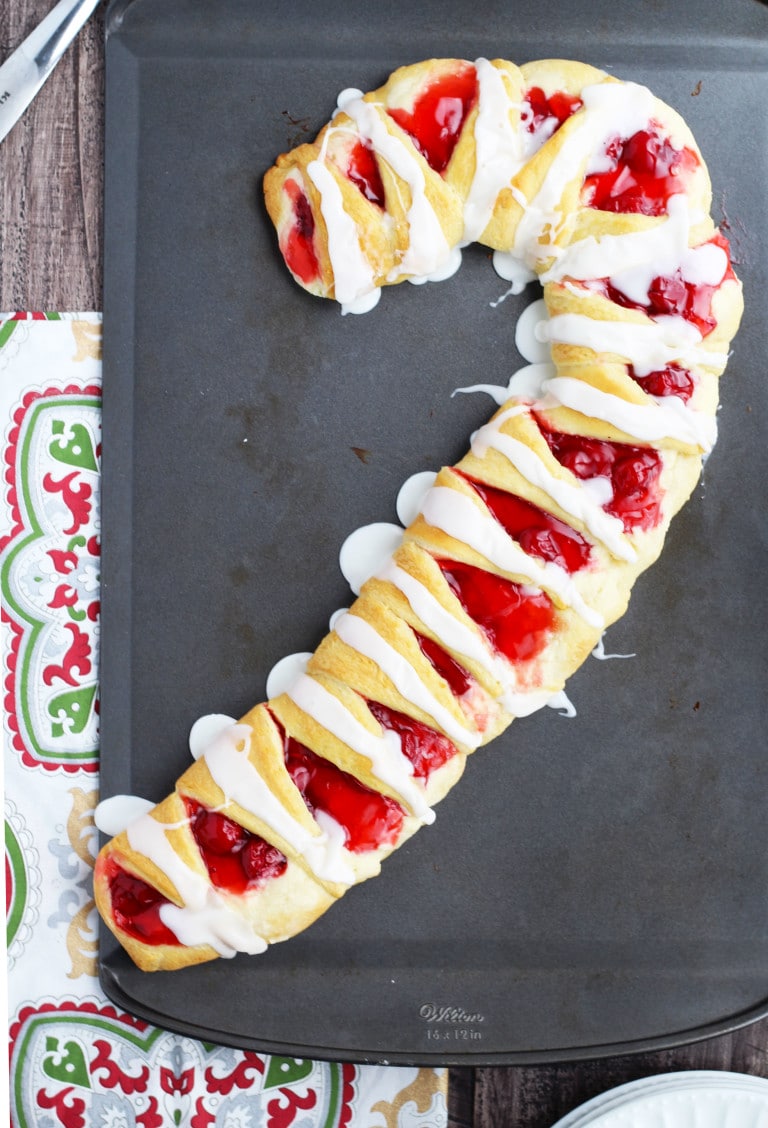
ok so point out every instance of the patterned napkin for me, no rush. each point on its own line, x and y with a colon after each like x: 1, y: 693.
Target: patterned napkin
x: 76, y: 1060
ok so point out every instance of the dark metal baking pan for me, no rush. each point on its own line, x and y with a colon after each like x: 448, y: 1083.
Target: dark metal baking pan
x: 593, y: 885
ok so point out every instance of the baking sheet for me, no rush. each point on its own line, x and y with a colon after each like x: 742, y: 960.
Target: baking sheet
x: 594, y: 884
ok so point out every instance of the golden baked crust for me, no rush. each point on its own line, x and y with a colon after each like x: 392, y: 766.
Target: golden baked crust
x: 375, y: 658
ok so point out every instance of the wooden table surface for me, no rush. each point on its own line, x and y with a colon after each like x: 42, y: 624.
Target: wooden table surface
x: 51, y: 259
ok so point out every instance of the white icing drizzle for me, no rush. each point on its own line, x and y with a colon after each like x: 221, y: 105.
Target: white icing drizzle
x: 237, y: 776
x: 353, y: 278
x: 205, y: 916
x: 609, y: 109
x: 665, y: 417
x: 411, y: 494
x: 599, y: 651
x: 364, y: 551
x: 461, y: 639
x: 631, y: 261
x: 528, y: 382
x: 335, y: 617
x: 336, y: 840
x: 573, y: 499
x: 428, y: 254
x: 535, y: 383
x: 388, y: 763
x: 704, y: 265
x: 534, y: 138
x: 498, y: 149
x: 362, y: 637
x: 112, y: 816
x: 284, y: 673
x: 530, y: 346
x: 647, y: 346
x: 349, y: 94
x: 148, y: 836
x: 562, y: 702
x: 657, y: 250
x: 205, y: 730
x: 447, y: 270
x: 214, y: 924
x: 459, y: 517
x: 625, y: 108
x: 508, y: 267
x: 497, y: 393
x: 599, y: 488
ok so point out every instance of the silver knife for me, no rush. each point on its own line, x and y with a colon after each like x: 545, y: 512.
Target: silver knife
x: 26, y: 69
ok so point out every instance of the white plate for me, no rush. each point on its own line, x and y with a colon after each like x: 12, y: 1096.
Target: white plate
x: 692, y: 1099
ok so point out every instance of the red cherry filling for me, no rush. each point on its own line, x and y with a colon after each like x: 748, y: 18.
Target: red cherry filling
x: 539, y: 533
x: 553, y: 110
x: 646, y: 169
x: 370, y: 820
x: 136, y: 907
x: 633, y: 473
x: 438, y: 115
x: 425, y: 748
x: 668, y: 297
x: 236, y: 859
x: 261, y: 861
x: 672, y: 296
x: 363, y: 171
x: 458, y: 679
x: 214, y: 832
x: 297, y: 245
x: 670, y: 381
x: 516, y: 619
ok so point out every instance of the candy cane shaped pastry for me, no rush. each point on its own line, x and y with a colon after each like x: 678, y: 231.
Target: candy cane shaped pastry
x: 523, y: 552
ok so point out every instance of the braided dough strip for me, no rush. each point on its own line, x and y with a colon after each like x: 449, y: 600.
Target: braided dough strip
x: 518, y: 189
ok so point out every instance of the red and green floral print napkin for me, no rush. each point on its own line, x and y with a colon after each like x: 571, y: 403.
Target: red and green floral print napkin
x: 75, y: 1059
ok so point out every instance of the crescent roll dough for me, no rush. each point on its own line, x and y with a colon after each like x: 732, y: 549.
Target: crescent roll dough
x: 522, y: 553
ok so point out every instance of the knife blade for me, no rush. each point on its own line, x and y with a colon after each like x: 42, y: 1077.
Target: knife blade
x: 26, y: 69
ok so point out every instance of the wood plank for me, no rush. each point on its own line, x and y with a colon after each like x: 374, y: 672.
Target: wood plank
x: 51, y: 181
x: 461, y: 1098
x: 537, y: 1097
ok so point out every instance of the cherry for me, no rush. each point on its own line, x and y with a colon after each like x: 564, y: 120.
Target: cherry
x: 671, y: 296
x: 646, y: 169
x: 515, y: 618
x: 559, y: 106
x: 669, y: 381
x: 584, y: 457
x: 457, y: 677
x: 216, y: 833
x: 297, y: 245
x: 568, y: 550
x: 363, y: 171
x: 649, y: 155
x: 634, y: 474
x: 230, y: 852
x: 438, y: 115
x: 370, y: 820
x: 305, y: 221
x: 425, y: 748
x: 538, y: 532
x: 668, y: 295
x: 260, y: 860
x: 136, y: 907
